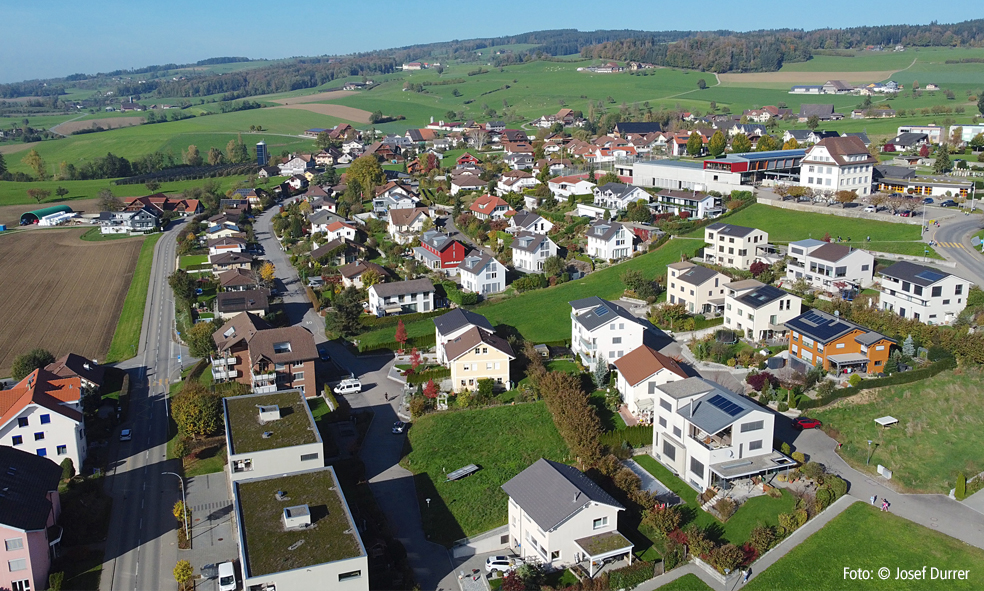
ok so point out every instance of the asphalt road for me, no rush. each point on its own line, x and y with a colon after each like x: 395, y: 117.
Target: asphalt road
x: 141, y: 548
x: 970, y: 261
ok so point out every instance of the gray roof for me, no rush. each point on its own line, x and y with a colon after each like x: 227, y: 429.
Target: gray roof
x: 871, y: 338
x: 251, y: 300
x: 908, y: 139
x: 860, y: 135
x: 917, y: 274
x: 475, y: 261
x: 832, y: 252
x: 822, y: 111
x: 528, y: 241
x: 686, y: 388
x: 730, y: 230
x: 525, y: 219
x: 25, y: 481
x: 550, y: 492
x: 459, y: 318
x: 697, y: 275
x: 603, y: 311
x: 799, y: 135
x: 808, y: 243
x: 602, y: 230
x: 385, y: 290
x: 323, y: 216
x: 436, y: 239
x: 617, y: 189
x: 762, y: 296
x: 882, y: 171
x: 716, y: 409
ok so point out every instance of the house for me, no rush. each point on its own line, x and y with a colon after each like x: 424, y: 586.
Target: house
x: 732, y: 246
x: 608, y: 240
x: 629, y: 129
x: 519, y: 161
x: 837, y: 164
x: 88, y: 371
x: 254, y: 301
x: 228, y: 261
x: 228, y: 244
x: 480, y: 273
x: 268, y: 359
x: 250, y: 195
x: 906, y: 141
x: 807, y: 136
x: 421, y: 136
x: 455, y: 323
x: 393, y: 200
x: 559, y: 517
x: 515, y: 181
x: 298, y: 182
x: 42, y: 414
x: 934, y: 132
x: 125, y: 222
x: 491, y: 207
x: 861, y: 136
x: 693, y: 204
x: 405, y: 224
x: 235, y: 207
x: 270, y: 434
x: 640, y: 371
x: 601, y: 330
x: 565, y: 186
x: 514, y: 135
x: 828, y: 266
x: 466, y: 182
x: 399, y: 297
x: 160, y: 203
x: 306, y: 511
x: 700, y: 290
x: 836, y: 87
x: 337, y: 230
x: 747, y: 129
x: 29, y: 518
x: 267, y: 172
x: 475, y: 355
x: 237, y: 280
x: 836, y: 344
x: 337, y: 252
x: 223, y: 230
x: 352, y: 273
x: 529, y: 222
x: 757, y: 311
x: 439, y: 251
x: 709, y: 436
x: 329, y: 157
x: 530, y: 250
x: 922, y: 293
x: 617, y: 197
x: 467, y: 158
x: 822, y: 112
x: 297, y: 164
x: 322, y: 218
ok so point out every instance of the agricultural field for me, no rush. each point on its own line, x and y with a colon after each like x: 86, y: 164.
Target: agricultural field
x: 62, y: 293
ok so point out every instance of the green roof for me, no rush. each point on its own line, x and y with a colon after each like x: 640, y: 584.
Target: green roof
x: 294, y: 427
x: 37, y: 214
x: 270, y: 548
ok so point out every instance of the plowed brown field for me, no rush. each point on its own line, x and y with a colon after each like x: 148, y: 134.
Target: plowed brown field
x: 61, y: 293
x: 107, y: 123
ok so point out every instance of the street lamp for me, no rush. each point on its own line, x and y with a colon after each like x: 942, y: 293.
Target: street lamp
x: 868, y: 461
x: 184, y: 502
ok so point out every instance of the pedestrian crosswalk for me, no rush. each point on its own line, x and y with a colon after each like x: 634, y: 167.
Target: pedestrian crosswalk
x: 951, y: 245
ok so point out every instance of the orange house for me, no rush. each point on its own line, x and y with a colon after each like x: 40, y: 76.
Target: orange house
x: 839, y: 345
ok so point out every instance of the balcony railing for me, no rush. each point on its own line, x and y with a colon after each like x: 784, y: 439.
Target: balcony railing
x: 711, y: 442
x: 265, y: 378
x: 224, y: 374
x: 586, y: 346
x: 261, y: 389
x: 223, y: 361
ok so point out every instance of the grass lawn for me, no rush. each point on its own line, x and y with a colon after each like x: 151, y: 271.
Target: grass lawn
x: 192, y: 259
x: 862, y: 537
x: 543, y: 315
x: 13, y: 193
x: 762, y: 510
x: 940, y: 430
x: 686, y: 583
x: 785, y: 225
x: 212, y: 459
x: 503, y: 441
x: 127, y: 336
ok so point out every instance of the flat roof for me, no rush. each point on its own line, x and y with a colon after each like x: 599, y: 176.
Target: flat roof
x: 741, y: 156
x: 268, y: 547
x: 680, y: 163
x: 294, y: 427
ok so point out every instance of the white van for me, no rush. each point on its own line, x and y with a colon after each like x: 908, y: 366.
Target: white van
x: 352, y: 386
x: 227, y: 577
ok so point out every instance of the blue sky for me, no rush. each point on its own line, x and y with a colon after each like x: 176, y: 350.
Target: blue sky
x: 57, y: 38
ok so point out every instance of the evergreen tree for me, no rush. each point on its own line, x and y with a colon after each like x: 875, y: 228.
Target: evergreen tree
x: 600, y: 373
x: 908, y: 347
x: 942, y: 164
x: 3, y: 165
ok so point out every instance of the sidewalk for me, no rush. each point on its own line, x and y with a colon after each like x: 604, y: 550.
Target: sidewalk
x: 213, y: 535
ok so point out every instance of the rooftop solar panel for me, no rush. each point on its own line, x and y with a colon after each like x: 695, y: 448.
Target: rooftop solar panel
x: 932, y: 276
x: 726, y: 406
x: 601, y: 311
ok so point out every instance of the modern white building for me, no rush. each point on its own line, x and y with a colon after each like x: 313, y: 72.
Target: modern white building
x: 529, y: 222
x: 639, y: 373
x: 934, y: 132
x: 603, y: 330
x: 559, y: 517
x: 699, y: 289
x: 710, y: 436
x: 922, y: 293
x: 608, y: 240
x: 530, y: 250
x: 829, y: 266
x: 758, y: 311
x: 838, y: 164
x: 733, y: 246
x: 695, y: 204
x: 480, y: 273
x: 398, y: 297
x: 684, y: 175
x: 617, y: 196
x: 452, y: 325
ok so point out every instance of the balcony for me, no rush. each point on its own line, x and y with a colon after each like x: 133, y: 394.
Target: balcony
x: 264, y: 389
x: 712, y: 442
x: 223, y: 361
x: 264, y: 378
x: 219, y: 373
x: 795, y: 263
x: 586, y: 346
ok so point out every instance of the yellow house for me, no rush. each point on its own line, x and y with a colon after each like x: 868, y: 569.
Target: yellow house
x: 477, y: 355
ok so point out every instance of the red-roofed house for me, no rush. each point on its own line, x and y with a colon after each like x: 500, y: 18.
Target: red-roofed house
x: 640, y: 371
x: 159, y: 203
x: 565, y: 186
x: 336, y: 230
x: 491, y: 207
x: 467, y: 158
x: 42, y: 415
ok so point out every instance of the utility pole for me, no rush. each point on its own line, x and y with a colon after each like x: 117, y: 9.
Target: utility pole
x: 184, y: 502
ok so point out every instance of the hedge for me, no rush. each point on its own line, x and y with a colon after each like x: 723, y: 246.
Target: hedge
x: 424, y: 376
x: 636, y: 436
x: 421, y: 342
x: 372, y: 323
x: 315, y: 300
x: 892, y: 380
x: 631, y: 576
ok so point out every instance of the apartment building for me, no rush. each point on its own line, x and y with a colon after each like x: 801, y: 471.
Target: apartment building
x: 757, y: 311
x: 828, y: 266
x: 838, y: 164
x: 733, y: 246
x: 922, y: 293
x: 267, y: 359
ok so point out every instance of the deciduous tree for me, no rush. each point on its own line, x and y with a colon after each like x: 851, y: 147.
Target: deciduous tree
x: 368, y: 172
x: 38, y: 195
x: 767, y: 143
x: 268, y: 272
x: 183, y: 571
x: 215, y: 157
x: 740, y: 143
x: 401, y: 334
x: 199, y: 339
x: 106, y: 201
x: 30, y: 361
x: 695, y: 144
x: 717, y: 144
x: 812, y: 122
x: 844, y: 197
x: 791, y: 144
x: 609, y: 177
x: 36, y: 163
x: 431, y: 390
x: 701, y: 83
x: 197, y: 411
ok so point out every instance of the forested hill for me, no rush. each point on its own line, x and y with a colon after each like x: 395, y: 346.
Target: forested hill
x: 765, y: 51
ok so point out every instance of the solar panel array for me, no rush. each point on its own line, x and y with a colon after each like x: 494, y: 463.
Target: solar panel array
x: 931, y: 276
x: 601, y: 311
x: 726, y: 406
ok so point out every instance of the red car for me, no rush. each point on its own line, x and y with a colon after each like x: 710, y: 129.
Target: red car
x: 806, y: 423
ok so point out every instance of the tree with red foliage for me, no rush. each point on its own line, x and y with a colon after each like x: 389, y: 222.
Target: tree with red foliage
x: 827, y: 237
x: 757, y: 381
x: 512, y: 582
x: 430, y: 390
x: 757, y: 268
x: 924, y: 151
x: 415, y: 360
x: 401, y: 335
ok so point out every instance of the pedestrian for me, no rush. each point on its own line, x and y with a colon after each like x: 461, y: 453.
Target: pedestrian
x: 884, y: 505
x: 869, y: 238
x: 873, y: 499
x: 748, y: 573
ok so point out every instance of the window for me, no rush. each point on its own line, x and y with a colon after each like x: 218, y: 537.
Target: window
x: 24, y: 585
x: 677, y: 432
x: 665, y: 404
x: 611, y: 326
x: 498, y: 365
x: 611, y: 354
x: 352, y: 574
x: 22, y: 421
x: 946, y: 302
x: 45, y: 419
x: 753, y: 445
x: 917, y: 289
x: 600, y: 523
x: 958, y: 290
x: 839, y: 346
x: 16, y: 440
x: 696, y: 467
x: 616, y: 340
x: 937, y: 291
x: 62, y: 450
x: 753, y: 426
x: 42, y: 452
x: 555, y: 555
x: 864, y: 267
x: 14, y: 544
x: 39, y: 436
x: 488, y: 366
x: 299, y: 375
x: 16, y: 565
x: 668, y: 450
x: 662, y: 422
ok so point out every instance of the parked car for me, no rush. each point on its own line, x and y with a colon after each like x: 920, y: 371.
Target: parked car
x: 199, y: 291
x: 227, y: 577
x: 806, y: 423
x: 126, y: 435
x: 871, y: 209
x: 350, y: 386
x: 399, y: 427
x: 928, y: 201
x: 948, y: 203
x: 904, y: 214
x: 323, y: 353
x: 503, y: 564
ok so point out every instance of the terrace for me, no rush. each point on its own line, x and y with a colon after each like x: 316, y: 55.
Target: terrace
x: 247, y: 434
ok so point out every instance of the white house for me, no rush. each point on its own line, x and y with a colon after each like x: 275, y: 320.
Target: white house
x: 733, y: 246
x: 416, y: 295
x: 480, y: 273
x: 527, y: 221
x: 639, y: 373
x: 617, y: 197
x: 829, y: 266
x: 565, y: 186
x: 352, y: 273
x: 698, y: 289
x: 694, y: 203
x: 405, y: 224
x: 394, y: 200
x: 758, y: 311
x: 452, y: 325
x: 608, y: 240
x: 297, y: 165
x: 560, y: 517
x: 531, y: 250
x: 710, y: 436
x: 838, y: 164
x: 490, y: 207
x: 603, y: 330
x: 515, y: 181
x: 336, y: 230
x: 922, y: 293
x: 42, y: 415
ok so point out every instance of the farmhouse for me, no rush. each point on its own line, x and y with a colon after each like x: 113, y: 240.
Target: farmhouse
x: 399, y: 297
x: 836, y: 344
x: 475, y: 355
x: 922, y: 293
x: 640, y: 371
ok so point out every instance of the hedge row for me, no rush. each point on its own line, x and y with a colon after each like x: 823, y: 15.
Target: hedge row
x: 372, y: 323
x: 631, y: 576
x: 892, y: 380
x: 421, y: 342
x: 424, y: 376
x: 636, y: 436
x: 313, y: 297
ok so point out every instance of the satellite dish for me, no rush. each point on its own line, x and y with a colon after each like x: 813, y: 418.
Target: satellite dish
x: 975, y: 241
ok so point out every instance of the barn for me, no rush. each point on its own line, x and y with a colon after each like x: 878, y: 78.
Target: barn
x: 33, y: 217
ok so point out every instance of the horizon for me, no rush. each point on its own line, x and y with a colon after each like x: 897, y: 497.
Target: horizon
x: 112, y: 33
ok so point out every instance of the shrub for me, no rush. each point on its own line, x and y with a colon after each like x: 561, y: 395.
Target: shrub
x: 813, y: 471
x: 758, y: 380
x: 725, y: 508
x: 788, y: 522
x: 825, y: 496
x: 961, y: 492
x: 68, y: 469
x: 785, y: 448
x: 855, y: 379
x: 631, y: 576
x: 783, y: 407
x: 798, y: 456
x: 181, y: 447
x: 836, y: 484
x: 663, y: 520
x: 418, y: 406
x: 700, y: 544
x: 762, y: 538
x: 727, y: 558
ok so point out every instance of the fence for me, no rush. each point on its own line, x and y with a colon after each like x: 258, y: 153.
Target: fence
x: 892, y: 380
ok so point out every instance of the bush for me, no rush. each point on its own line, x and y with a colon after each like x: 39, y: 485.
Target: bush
x: 757, y: 381
x: 55, y: 581
x: 68, y: 469
x: 788, y: 522
x: 813, y: 471
x: 961, y: 492
x: 855, y: 379
x: 181, y: 447
x: 418, y: 406
x: 663, y: 520
x: 700, y: 544
x: 825, y: 496
x: 727, y: 558
x: 893, y: 380
x: 785, y: 448
x: 836, y: 484
x: 725, y: 508
x: 636, y: 436
x: 783, y: 407
x: 798, y: 456
x: 423, y: 377
x: 630, y: 576
x: 762, y: 538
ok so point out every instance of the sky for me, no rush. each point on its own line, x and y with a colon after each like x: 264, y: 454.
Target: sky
x: 58, y: 37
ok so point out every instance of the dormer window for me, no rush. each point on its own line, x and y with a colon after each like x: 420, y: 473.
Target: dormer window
x: 281, y: 347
